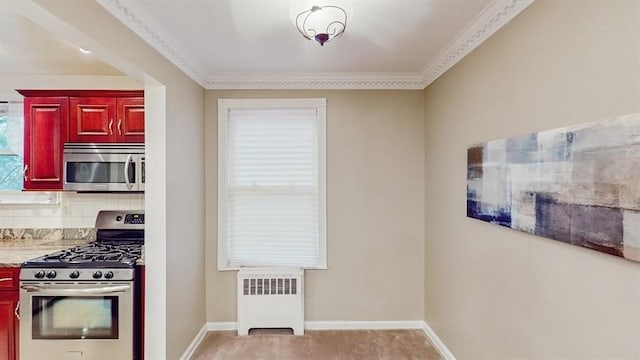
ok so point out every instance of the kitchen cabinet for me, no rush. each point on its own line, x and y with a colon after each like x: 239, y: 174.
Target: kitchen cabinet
x: 9, y: 300
x: 53, y: 117
x: 45, y: 132
x: 106, y: 119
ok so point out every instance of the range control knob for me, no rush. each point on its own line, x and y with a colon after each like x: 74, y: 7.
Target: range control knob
x: 39, y: 274
x: 51, y: 274
x: 74, y: 274
x: 97, y: 274
x: 108, y: 275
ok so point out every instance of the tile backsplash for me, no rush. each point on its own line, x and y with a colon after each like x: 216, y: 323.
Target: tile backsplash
x: 74, y: 210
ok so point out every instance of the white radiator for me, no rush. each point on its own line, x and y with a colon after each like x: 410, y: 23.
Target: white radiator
x: 270, y: 298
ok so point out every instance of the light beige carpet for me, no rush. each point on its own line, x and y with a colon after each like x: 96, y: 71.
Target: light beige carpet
x: 325, y: 345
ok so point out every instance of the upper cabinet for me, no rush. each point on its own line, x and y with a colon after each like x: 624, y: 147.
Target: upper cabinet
x: 106, y: 119
x: 54, y: 117
x: 130, y: 126
x: 45, y: 132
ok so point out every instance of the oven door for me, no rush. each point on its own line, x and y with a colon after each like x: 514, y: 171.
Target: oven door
x: 76, y: 320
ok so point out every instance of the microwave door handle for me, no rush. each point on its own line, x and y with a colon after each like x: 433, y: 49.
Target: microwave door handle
x: 105, y: 290
x: 126, y: 171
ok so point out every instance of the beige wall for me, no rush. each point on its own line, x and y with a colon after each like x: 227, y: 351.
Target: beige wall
x: 175, y: 176
x: 375, y: 153
x: 494, y: 293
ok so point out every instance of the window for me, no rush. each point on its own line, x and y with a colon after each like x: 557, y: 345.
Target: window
x: 271, y: 183
x: 11, y: 135
x: 12, y: 161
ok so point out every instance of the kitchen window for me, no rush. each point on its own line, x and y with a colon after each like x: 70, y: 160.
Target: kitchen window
x: 271, y: 183
x: 11, y: 135
x: 12, y: 161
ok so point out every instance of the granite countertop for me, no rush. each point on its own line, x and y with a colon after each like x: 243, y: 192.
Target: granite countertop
x: 13, y: 253
x: 20, y: 245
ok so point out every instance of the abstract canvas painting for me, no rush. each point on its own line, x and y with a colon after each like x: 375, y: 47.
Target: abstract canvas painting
x: 579, y: 184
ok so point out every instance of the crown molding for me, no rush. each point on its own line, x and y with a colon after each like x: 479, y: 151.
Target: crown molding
x: 136, y: 18
x: 317, y: 81
x: 490, y: 20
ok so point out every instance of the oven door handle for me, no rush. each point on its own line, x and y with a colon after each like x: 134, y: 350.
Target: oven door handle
x: 105, y: 290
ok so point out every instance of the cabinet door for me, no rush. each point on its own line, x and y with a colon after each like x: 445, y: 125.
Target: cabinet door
x: 8, y: 325
x: 9, y: 278
x: 45, y: 132
x: 130, y: 124
x: 8, y: 319
x: 92, y: 119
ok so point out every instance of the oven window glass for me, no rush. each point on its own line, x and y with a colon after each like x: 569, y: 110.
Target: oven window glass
x: 99, y: 172
x: 75, y: 317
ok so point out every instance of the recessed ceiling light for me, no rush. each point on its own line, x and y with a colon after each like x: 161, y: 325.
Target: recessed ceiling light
x: 84, y: 51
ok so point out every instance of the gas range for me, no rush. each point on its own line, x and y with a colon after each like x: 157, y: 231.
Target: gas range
x: 84, y: 302
x: 112, y: 256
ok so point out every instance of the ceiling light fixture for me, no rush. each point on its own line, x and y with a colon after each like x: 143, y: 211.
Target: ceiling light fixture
x: 322, y: 23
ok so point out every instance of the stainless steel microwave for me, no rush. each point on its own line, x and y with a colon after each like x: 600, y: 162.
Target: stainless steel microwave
x: 104, y: 167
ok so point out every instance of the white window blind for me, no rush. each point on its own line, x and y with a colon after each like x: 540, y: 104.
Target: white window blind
x: 272, y: 203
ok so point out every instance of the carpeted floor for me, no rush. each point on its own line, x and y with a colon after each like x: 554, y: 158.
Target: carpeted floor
x: 317, y: 345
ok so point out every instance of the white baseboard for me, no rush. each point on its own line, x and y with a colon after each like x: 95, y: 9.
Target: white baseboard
x: 222, y: 326
x: 435, y: 340
x: 195, y: 343
x: 332, y: 325
x: 362, y: 325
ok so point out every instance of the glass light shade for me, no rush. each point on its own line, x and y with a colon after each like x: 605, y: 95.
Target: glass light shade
x: 321, y: 20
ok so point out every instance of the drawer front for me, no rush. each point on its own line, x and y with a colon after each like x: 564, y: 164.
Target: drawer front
x: 9, y: 278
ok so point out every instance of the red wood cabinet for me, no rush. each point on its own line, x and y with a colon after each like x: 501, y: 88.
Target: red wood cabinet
x: 53, y: 117
x: 9, y: 299
x: 45, y: 132
x: 106, y: 119
x: 130, y: 126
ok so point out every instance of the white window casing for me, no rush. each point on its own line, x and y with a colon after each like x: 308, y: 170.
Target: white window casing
x: 272, y: 183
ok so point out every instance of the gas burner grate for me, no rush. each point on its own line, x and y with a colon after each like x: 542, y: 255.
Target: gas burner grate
x: 96, y: 254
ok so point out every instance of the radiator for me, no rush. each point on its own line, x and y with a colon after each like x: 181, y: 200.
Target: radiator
x: 270, y: 298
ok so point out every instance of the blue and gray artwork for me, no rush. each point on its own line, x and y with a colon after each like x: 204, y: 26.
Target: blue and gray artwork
x: 579, y: 184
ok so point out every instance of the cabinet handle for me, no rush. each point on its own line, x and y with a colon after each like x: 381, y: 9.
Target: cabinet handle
x: 16, y: 311
x: 25, y: 171
x: 5, y: 279
x: 119, y: 126
x: 111, y: 127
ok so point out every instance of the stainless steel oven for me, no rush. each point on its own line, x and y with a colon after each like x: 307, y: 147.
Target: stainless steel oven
x: 114, y: 167
x: 85, y: 302
x: 83, y: 319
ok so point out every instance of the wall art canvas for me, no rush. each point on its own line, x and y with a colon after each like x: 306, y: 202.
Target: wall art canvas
x: 579, y: 184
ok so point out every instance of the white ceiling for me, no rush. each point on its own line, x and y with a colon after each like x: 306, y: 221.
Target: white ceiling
x: 387, y: 44
x: 28, y: 49
x: 254, y: 44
